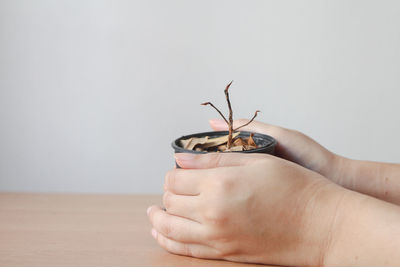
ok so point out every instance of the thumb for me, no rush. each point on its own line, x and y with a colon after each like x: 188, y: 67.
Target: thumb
x: 216, y: 159
x: 254, y: 126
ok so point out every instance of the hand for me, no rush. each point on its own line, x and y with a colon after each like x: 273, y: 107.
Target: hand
x: 293, y: 146
x: 247, y: 208
x: 380, y: 180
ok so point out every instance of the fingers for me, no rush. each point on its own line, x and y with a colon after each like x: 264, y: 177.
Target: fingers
x: 214, y: 160
x: 255, y: 126
x: 197, y: 169
x: 182, y: 206
x: 174, y: 227
x: 180, y: 248
x: 184, y: 182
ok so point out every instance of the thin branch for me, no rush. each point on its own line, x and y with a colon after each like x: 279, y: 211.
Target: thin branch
x: 220, y: 113
x: 255, y: 115
x: 229, y: 102
x: 230, y: 123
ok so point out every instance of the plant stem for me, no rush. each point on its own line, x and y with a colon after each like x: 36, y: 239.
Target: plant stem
x: 220, y: 113
x: 230, y: 122
x: 255, y: 115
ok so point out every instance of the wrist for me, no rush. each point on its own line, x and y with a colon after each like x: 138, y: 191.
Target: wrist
x: 371, y: 178
x: 345, y: 204
x: 325, y: 213
x: 339, y: 171
x: 365, y: 233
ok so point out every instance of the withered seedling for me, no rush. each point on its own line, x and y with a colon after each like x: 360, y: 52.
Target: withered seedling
x: 229, y: 121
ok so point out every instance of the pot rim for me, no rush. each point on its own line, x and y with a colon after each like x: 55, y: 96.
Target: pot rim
x: 179, y: 149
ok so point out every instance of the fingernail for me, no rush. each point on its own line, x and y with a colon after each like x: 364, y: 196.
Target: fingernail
x: 218, y: 123
x: 148, y: 210
x: 184, y: 157
x: 154, y: 233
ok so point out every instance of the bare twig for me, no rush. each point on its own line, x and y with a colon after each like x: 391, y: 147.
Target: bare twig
x: 229, y: 121
x: 230, y: 124
x: 255, y: 115
x: 220, y: 113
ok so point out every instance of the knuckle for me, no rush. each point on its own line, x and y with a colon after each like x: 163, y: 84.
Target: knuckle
x: 166, y: 229
x: 224, y: 243
x: 216, y: 215
x: 224, y: 184
x: 187, y: 250
x: 214, y: 235
x: 220, y: 254
x: 152, y: 214
x: 228, y: 251
x: 169, y: 180
x: 162, y: 241
x: 162, y: 224
x: 165, y: 186
x: 167, y: 200
x: 167, y: 244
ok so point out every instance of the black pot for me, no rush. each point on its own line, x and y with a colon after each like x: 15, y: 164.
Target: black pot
x: 265, y: 143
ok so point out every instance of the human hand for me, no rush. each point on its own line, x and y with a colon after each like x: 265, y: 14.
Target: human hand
x: 247, y: 208
x: 294, y: 146
x: 380, y: 180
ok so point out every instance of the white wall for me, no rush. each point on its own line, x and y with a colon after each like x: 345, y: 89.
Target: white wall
x: 93, y: 92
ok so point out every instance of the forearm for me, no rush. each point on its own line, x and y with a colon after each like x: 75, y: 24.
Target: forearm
x: 380, y: 180
x: 367, y: 234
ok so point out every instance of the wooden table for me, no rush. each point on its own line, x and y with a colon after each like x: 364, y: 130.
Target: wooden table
x: 83, y: 230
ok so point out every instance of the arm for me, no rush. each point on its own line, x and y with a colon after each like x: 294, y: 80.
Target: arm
x: 380, y: 180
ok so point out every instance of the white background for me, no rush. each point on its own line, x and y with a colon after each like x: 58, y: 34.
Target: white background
x: 92, y: 93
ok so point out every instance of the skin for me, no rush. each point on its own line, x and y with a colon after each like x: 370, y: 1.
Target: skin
x: 380, y: 180
x: 264, y: 209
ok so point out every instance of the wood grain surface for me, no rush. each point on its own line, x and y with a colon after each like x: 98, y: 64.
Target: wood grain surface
x: 83, y: 230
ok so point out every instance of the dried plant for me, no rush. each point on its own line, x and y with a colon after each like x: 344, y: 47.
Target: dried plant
x: 229, y: 121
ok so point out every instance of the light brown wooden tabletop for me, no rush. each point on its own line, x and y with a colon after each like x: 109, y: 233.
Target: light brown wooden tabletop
x: 83, y: 230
